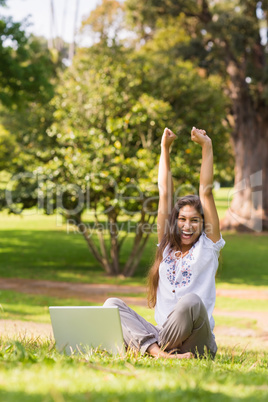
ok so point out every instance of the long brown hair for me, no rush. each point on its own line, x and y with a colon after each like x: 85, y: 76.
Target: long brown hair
x: 171, y: 238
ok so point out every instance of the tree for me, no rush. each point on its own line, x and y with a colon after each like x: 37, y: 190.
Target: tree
x: 102, y: 146
x: 106, y: 21
x: 225, y: 39
x: 28, y: 72
x: 110, y: 111
x: 25, y: 66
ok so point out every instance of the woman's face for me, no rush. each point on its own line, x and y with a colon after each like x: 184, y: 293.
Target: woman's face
x: 190, y: 224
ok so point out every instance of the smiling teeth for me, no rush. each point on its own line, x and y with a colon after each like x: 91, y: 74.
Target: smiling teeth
x: 187, y: 233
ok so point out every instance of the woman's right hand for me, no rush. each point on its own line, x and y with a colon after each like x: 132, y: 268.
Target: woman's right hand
x: 167, y: 138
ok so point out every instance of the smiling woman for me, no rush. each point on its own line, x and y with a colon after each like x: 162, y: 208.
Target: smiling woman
x: 182, y: 279
x: 189, y: 217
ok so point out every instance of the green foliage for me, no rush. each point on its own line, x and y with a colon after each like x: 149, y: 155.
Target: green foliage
x: 7, y: 147
x: 226, y: 38
x: 218, y: 34
x: 105, y: 21
x: 143, y: 17
x: 101, y: 113
x: 111, y: 110
x: 96, y: 144
x: 28, y: 74
x: 25, y: 67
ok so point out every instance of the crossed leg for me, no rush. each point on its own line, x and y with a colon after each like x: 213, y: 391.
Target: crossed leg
x: 187, y: 330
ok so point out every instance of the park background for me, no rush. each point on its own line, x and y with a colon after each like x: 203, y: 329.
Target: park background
x: 79, y: 146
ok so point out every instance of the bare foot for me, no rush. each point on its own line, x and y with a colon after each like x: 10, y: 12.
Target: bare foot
x: 155, y: 351
x: 187, y: 355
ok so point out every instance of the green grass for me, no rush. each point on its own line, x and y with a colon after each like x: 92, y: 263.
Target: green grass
x: 241, y: 323
x: 21, y: 306
x: 17, y: 306
x: 34, y: 371
x: 222, y: 199
x: 244, y: 260
x: 26, y: 307
x: 55, y: 255
x: 31, y: 370
x: 34, y: 247
x: 230, y: 304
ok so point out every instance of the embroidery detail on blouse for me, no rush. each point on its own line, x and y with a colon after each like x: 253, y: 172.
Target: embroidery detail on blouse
x: 179, y: 271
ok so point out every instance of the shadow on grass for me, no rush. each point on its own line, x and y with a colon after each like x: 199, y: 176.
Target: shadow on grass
x: 57, y: 255
x: 54, y: 255
x: 45, y: 248
x: 44, y: 254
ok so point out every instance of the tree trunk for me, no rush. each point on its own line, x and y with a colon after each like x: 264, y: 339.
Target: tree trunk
x: 110, y: 260
x: 142, y: 235
x: 135, y: 261
x: 113, y: 230
x: 102, y: 259
x: 248, y: 210
x: 132, y: 256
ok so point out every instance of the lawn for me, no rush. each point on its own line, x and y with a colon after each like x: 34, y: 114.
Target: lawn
x: 15, y: 305
x: 43, y: 247
x: 40, y: 247
x: 34, y: 371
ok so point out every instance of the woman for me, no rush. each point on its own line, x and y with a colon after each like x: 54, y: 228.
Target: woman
x: 182, y: 279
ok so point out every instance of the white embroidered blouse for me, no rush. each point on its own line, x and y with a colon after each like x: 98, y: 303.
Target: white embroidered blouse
x: 194, y: 273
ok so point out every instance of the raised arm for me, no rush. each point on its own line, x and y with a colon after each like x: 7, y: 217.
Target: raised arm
x: 212, y: 226
x: 165, y: 184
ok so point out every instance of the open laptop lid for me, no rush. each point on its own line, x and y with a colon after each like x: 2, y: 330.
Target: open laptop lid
x: 84, y: 328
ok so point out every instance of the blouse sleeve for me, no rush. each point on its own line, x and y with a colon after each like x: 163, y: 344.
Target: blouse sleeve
x: 208, y: 243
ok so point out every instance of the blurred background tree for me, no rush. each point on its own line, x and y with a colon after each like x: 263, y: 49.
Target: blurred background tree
x: 88, y: 137
x: 228, y: 38
x: 111, y: 108
x: 28, y: 74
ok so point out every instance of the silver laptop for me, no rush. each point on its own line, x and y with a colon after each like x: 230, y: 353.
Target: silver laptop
x: 86, y: 329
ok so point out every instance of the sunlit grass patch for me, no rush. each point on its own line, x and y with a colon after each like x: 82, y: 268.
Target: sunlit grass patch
x: 231, y: 304
x: 26, y: 307
x: 243, y: 323
x: 37, y: 246
x: 35, y: 371
x: 32, y: 370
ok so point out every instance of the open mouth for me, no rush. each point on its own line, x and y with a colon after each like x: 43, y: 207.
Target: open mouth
x: 186, y: 235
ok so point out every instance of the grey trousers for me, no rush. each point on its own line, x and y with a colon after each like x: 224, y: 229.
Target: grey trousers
x: 186, y: 329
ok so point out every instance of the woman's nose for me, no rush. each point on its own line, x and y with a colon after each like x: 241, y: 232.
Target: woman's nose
x: 187, y: 224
